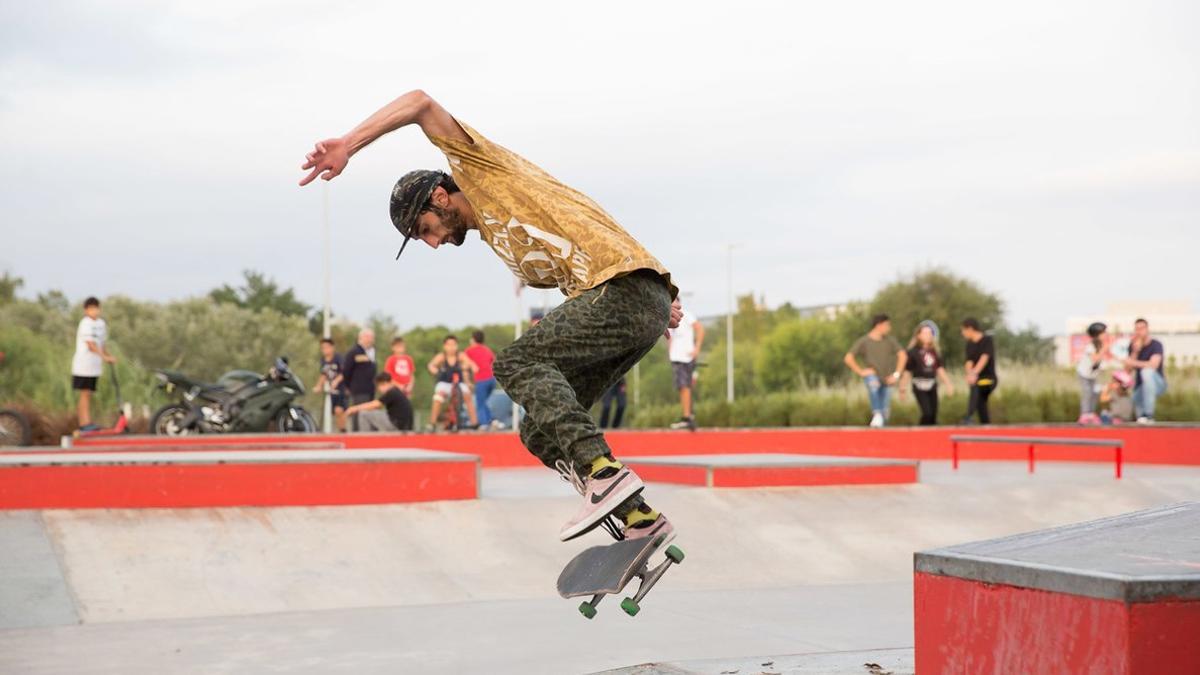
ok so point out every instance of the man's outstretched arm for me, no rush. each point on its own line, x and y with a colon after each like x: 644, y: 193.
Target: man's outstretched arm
x: 329, y: 158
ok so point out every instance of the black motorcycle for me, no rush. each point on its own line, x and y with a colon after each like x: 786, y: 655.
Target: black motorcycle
x: 240, y: 401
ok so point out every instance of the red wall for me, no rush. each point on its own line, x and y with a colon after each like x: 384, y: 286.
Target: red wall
x: 201, y: 485
x: 965, y: 626
x: 776, y: 476
x: 729, y: 476
x: 1145, y: 445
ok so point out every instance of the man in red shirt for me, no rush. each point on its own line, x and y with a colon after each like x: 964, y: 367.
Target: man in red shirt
x: 400, y: 366
x: 485, y: 382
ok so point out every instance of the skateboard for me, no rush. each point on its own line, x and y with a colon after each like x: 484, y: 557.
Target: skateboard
x: 602, y: 570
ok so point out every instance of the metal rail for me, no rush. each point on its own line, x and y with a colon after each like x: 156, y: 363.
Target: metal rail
x: 1116, y: 444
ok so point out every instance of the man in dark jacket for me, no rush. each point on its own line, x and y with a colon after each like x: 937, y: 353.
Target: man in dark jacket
x: 358, y: 372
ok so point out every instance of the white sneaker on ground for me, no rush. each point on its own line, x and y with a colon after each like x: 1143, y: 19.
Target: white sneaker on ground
x: 877, y: 420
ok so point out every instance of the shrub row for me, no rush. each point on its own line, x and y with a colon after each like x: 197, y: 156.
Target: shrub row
x: 802, y: 409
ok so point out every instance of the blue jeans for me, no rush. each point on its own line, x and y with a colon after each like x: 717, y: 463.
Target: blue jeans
x: 879, y: 394
x: 1146, y: 394
x: 483, y: 389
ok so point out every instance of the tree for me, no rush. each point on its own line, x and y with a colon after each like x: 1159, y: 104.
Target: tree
x: 385, y: 327
x: 800, y: 351
x: 1024, y: 346
x: 942, y: 297
x: 8, y: 288
x: 259, y: 293
x: 55, y: 301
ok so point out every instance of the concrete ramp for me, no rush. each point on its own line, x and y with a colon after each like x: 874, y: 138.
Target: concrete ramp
x: 468, y: 585
x: 133, y: 564
x: 33, y: 590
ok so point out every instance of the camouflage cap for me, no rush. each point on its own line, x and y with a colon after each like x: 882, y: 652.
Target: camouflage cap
x: 409, y: 197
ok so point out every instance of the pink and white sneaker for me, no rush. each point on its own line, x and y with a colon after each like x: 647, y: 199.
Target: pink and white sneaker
x: 652, y: 528
x: 601, y: 496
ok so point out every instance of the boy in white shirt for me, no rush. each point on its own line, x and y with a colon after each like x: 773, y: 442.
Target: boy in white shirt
x: 683, y: 346
x: 90, y: 357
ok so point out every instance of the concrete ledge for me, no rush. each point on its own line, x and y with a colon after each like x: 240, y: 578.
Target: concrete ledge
x: 1116, y: 595
x: 763, y: 470
x: 1135, y: 557
x: 205, y: 443
x: 233, y: 478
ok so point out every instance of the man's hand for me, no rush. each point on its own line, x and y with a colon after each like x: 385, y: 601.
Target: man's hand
x: 328, y: 159
x: 108, y: 358
x: 676, y: 315
x: 971, y: 378
x: 890, y: 380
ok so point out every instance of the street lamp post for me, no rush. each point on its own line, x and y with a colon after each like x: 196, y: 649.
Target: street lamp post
x: 327, y: 408
x: 729, y: 325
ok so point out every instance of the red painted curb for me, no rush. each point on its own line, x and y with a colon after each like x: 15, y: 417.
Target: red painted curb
x: 724, y: 476
x: 1143, y: 445
x: 209, y: 485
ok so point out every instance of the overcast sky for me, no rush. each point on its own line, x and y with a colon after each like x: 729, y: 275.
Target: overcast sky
x: 1049, y: 150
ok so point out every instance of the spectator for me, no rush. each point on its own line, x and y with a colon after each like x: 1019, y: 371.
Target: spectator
x: 400, y: 366
x: 482, y: 356
x: 1117, y: 396
x: 90, y: 357
x: 392, y: 411
x: 358, y: 372
x: 1146, y: 357
x: 451, y: 369
x: 1087, y: 369
x: 614, y: 395
x: 980, y: 369
x: 881, y: 354
x: 924, y: 363
x: 329, y: 380
x: 683, y: 347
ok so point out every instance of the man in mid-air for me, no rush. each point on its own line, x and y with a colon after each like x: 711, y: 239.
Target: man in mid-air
x: 620, y: 299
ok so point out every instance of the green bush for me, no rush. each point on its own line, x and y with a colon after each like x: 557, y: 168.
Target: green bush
x: 1008, y: 405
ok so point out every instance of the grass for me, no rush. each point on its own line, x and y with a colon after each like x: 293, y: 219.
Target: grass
x: 1026, y: 395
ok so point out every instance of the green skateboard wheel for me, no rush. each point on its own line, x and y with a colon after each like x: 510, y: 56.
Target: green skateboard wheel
x: 675, y: 554
x: 630, y: 606
x: 587, y: 609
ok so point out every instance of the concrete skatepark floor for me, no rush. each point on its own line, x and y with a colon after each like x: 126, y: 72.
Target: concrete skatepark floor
x: 468, y: 586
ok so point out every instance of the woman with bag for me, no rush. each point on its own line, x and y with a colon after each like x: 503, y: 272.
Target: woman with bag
x: 925, y: 367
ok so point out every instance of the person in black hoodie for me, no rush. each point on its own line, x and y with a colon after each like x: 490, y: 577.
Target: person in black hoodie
x: 980, y: 370
x: 925, y: 368
x: 358, y: 372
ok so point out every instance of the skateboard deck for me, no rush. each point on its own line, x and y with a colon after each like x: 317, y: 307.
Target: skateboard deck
x: 603, y: 570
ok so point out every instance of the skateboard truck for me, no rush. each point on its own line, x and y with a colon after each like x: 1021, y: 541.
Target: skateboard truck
x: 648, y: 578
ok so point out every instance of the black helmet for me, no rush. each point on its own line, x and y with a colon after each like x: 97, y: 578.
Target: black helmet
x: 1096, y: 329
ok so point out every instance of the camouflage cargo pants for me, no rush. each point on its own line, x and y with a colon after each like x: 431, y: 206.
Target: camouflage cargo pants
x: 562, y: 366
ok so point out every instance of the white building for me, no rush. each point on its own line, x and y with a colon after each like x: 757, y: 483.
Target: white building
x: 1172, y: 322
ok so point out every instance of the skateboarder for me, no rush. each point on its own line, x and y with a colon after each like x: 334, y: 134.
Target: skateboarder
x: 620, y: 299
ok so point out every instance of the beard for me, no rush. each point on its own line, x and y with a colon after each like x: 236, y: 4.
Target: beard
x: 453, y: 221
